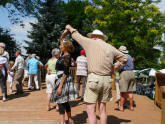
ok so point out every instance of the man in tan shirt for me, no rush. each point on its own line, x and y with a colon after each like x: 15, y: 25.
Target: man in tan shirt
x: 19, y: 67
x: 100, y: 57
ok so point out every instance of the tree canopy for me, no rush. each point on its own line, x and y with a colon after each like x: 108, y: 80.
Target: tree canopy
x: 137, y: 24
x: 11, y: 45
x: 52, y: 19
x: 18, y: 9
x: 46, y: 32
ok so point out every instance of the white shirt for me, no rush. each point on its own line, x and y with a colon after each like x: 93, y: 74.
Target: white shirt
x: 3, y: 60
x: 19, y: 63
x: 10, y: 77
x: 81, y: 65
x: 6, y: 54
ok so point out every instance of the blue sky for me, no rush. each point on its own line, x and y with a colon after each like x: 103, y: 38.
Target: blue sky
x: 20, y: 34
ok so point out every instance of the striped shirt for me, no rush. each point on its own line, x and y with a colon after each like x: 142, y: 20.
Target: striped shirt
x: 81, y: 66
x: 100, y: 55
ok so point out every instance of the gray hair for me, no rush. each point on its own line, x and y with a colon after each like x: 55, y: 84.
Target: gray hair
x: 55, y: 51
x: 33, y: 55
x: 2, y: 45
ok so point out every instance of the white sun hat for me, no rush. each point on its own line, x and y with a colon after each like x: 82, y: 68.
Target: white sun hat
x: 123, y: 49
x: 98, y: 32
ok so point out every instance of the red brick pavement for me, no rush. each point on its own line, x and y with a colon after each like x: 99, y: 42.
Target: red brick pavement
x: 30, y: 108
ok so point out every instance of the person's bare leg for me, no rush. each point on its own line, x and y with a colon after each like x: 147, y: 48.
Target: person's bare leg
x: 57, y: 108
x: 122, y: 100
x: 48, y: 100
x: 91, y: 111
x: 130, y: 96
x: 62, y: 119
x: 70, y: 120
x: 103, y: 114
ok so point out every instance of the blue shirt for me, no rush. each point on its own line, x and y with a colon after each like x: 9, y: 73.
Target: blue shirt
x: 129, y: 65
x: 33, y: 65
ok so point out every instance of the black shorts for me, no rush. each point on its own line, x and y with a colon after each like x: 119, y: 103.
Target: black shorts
x: 64, y: 107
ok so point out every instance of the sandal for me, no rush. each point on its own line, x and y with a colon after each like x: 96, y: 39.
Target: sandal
x: 119, y: 109
x: 48, y: 108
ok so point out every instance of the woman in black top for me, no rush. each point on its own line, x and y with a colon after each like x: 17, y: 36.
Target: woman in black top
x: 64, y: 90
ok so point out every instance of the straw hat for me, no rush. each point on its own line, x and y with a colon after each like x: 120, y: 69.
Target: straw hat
x: 98, y: 32
x: 123, y: 49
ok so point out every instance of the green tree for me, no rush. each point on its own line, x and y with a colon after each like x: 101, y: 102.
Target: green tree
x: 11, y: 45
x: 18, y: 9
x: 46, y: 32
x: 53, y: 16
x: 75, y: 13
x: 137, y: 24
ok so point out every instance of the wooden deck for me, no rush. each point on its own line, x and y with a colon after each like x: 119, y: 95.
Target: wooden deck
x: 30, y: 108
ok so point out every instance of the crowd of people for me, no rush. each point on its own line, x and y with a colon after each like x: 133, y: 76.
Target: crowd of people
x: 15, y: 73
x: 97, y: 62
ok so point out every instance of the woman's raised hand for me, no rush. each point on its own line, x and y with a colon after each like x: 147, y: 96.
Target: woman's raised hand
x: 70, y: 28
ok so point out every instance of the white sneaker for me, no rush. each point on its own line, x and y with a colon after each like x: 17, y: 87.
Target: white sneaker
x: 4, y: 99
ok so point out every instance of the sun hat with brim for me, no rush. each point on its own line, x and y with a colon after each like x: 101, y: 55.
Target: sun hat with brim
x: 123, y: 49
x: 98, y: 32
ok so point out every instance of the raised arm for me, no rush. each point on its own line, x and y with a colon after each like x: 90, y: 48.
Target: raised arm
x: 63, y: 36
x: 83, y: 41
x: 120, y: 58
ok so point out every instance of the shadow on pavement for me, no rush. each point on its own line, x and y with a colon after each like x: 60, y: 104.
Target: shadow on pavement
x: 115, y: 120
x: 76, y: 103
x: 80, y: 118
x: 13, y: 96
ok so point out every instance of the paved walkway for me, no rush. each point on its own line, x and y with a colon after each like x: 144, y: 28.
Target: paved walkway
x: 30, y: 108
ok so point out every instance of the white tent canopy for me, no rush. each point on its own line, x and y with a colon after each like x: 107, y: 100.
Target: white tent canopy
x: 152, y: 72
x: 149, y: 71
x: 162, y: 70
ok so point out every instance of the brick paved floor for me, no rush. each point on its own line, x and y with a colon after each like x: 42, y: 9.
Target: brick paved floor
x: 30, y: 108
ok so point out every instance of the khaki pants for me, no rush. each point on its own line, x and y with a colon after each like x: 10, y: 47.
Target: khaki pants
x: 79, y: 79
x: 18, y: 80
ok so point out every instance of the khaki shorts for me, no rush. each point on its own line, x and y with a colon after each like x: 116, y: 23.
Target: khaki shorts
x: 98, y: 88
x: 127, y: 81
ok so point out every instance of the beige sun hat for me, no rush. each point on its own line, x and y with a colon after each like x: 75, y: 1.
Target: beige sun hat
x: 123, y: 49
x: 98, y: 32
